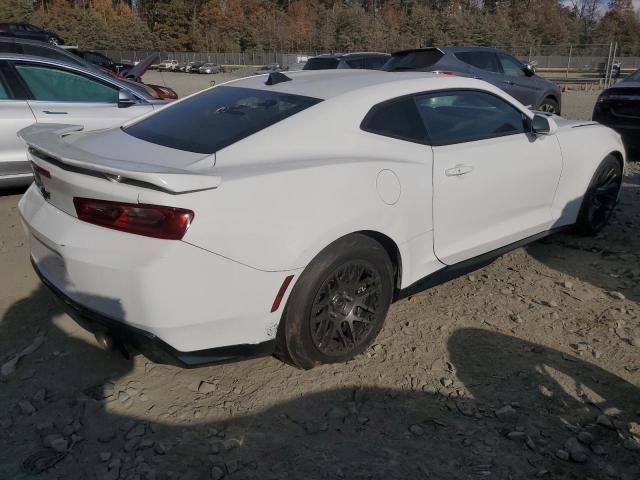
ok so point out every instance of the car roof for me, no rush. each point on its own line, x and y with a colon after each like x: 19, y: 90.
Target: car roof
x: 452, y: 49
x: 325, y: 84
x: 351, y: 54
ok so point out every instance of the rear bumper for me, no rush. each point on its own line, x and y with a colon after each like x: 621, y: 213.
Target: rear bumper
x: 628, y: 128
x: 147, y: 343
x: 179, y: 295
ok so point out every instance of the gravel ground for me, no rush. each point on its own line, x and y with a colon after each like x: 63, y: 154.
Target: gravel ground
x: 528, y: 368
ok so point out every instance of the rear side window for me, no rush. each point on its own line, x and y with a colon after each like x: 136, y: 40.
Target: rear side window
x: 321, y: 64
x: 355, y: 63
x: 467, y: 116
x: 487, y: 61
x: 397, y: 118
x: 57, y: 85
x: 413, y: 60
x: 216, y: 118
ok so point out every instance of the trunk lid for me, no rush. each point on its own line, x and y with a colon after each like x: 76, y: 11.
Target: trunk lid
x: 96, y: 165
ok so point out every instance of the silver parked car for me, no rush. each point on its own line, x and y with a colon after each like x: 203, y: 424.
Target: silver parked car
x: 39, y: 90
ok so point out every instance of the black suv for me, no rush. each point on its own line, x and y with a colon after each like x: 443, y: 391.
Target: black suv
x: 492, y: 65
x: 26, y: 30
x: 363, y: 60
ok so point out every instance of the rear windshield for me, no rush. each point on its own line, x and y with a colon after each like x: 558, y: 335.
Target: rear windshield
x: 321, y: 64
x: 213, y: 119
x: 414, y: 60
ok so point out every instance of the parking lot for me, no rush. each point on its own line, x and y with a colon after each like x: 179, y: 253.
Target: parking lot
x: 528, y: 368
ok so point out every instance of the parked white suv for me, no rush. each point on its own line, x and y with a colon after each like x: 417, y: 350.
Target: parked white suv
x: 169, y: 65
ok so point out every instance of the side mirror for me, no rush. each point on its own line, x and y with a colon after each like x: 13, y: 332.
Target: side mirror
x: 126, y: 99
x: 528, y: 69
x: 543, y: 125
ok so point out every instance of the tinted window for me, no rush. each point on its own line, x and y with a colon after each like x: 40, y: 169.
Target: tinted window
x: 510, y: 66
x: 413, y: 60
x: 4, y: 92
x: 465, y: 116
x: 355, y: 62
x: 321, y: 64
x: 39, y: 51
x: 9, y: 47
x: 487, y: 61
x: 59, y: 85
x: 375, y: 63
x: 215, y: 118
x: 396, y: 118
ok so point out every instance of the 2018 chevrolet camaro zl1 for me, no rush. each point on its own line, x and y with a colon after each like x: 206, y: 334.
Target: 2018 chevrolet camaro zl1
x: 285, y: 213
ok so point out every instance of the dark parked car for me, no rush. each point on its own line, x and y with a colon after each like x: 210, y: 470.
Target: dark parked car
x: 363, y: 60
x: 26, y: 30
x: 495, y: 66
x: 209, y: 68
x: 195, y: 67
x: 100, y: 60
x: 45, y: 50
x: 618, y: 107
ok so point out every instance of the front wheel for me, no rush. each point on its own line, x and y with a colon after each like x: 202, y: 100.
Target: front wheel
x: 549, y: 105
x: 338, y: 305
x: 601, y: 197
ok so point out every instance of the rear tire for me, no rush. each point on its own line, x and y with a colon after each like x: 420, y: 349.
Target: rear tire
x: 549, y: 105
x: 338, y: 306
x: 601, y: 197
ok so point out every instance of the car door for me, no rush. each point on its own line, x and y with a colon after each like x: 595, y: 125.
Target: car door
x: 493, y: 181
x: 65, y: 95
x: 14, y: 115
x: 519, y: 85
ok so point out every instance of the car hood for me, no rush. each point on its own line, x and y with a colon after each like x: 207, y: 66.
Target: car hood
x: 143, y: 65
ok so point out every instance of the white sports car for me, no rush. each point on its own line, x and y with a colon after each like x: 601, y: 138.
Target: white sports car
x: 285, y: 213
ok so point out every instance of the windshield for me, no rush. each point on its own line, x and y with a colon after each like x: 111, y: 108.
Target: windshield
x: 412, y: 60
x: 216, y: 118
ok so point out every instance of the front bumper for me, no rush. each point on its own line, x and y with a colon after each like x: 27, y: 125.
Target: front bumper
x: 147, y: 343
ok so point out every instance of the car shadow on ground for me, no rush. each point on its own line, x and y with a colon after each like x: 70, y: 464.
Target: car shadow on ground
x: 514, y: 405
x: 609, y: 260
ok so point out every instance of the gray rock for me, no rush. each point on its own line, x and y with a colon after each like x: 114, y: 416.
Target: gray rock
x: 137, y: 430
x: 417, y: 430
x: 40, y: 396
x: 635, y: 341
x: 605, y: 421
x: 232, y: 466
x: 26, y: 407
x: 217, y: 473
x: 585, y: 438
x: 598, y: 450
x: 617, y: 295
x: 105, y: 456
x: 562, y: 454
x: 56, y: 442
x: 516, y: 435
x: 131, y: 445
x: 160, y: 448
x: 632, y: 444
x: 567, y: 284
x: 506, y: 413
x: 576, y: 450
x: 446, y: 382
x: 206, y: 388
x: 230, y: 444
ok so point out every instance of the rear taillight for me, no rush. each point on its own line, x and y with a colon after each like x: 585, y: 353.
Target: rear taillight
x: 156, y: 221
x: 445, y: 72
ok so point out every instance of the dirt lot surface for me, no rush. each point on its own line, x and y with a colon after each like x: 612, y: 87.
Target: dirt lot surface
x: 528, y: 368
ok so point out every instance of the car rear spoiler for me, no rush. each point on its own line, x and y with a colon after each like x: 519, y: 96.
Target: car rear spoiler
x: 47, y: 141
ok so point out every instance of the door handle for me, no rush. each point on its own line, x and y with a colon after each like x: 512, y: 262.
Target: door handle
x: 509, y: 82
x: 51, y: 112
x: 458, y: 170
